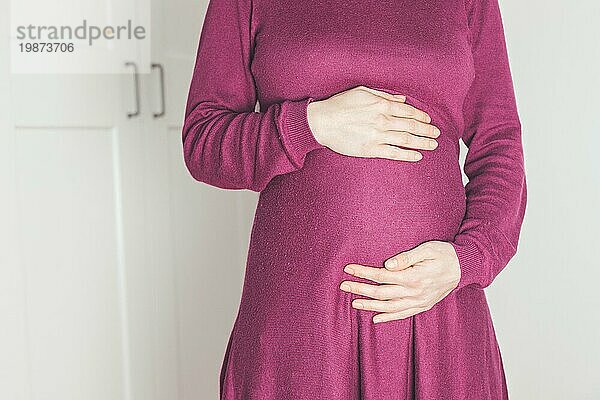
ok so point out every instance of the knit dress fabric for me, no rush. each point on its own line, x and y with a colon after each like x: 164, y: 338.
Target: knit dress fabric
x: 296, y: 335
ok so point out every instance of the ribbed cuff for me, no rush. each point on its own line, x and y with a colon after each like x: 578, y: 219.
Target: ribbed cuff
x: 297, y: 136
x: 470, y: 260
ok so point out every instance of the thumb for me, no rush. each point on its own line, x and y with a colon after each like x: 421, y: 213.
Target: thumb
x: 408, y: 258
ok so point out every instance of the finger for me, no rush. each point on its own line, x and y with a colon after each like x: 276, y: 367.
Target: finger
x: 394, y: 153
x: 386, y: 95
x: 387, y: 306
x: 404, y: 110
x: 409, y: 140
x: 386, y: 317
x: 410, y: 257
x: 375, y: 274
x: 412, y: 126
x: 379, y: 292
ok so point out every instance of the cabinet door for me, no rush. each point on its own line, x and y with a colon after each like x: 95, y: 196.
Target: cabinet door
x: 80, y: 316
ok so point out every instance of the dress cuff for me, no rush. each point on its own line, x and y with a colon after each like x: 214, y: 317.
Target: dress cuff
x: 470, y: 260
x: 296, y: 134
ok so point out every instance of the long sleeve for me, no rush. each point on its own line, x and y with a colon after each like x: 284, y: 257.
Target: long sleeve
x: 496, y: 192
x: 225, y: 142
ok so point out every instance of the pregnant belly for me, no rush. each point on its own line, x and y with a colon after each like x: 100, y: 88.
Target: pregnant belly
x: 340, y: 209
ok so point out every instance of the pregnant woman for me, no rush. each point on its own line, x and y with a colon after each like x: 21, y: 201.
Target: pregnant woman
x: 368, y: 257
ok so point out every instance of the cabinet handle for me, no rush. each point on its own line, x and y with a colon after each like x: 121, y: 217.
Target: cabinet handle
x: 161, y: 72
x: 136, y: 83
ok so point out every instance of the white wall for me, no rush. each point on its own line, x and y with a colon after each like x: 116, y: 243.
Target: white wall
x: 546, y: 305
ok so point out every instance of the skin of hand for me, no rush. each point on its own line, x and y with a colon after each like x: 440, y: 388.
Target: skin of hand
x: 409, y: 283
x: 366, y: 122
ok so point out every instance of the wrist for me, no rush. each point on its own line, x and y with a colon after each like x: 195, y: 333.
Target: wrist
x: 314, y: 116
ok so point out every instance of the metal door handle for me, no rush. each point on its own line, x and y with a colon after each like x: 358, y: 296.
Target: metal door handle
x: 161, y: 72
x: 136, y: 83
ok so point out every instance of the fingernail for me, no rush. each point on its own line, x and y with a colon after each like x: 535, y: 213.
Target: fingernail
x: 358, y: 304
x: 377, y: 319
x: 391, y: 264
x: 345, y: 287
x: 349, y: 269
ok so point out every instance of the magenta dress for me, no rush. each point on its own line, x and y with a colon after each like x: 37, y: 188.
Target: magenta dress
x: 296, y: 335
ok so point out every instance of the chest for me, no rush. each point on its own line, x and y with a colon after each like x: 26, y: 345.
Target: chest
x: 319, y: 47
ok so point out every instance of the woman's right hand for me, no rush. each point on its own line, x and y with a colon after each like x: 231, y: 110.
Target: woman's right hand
x: 366, y: 122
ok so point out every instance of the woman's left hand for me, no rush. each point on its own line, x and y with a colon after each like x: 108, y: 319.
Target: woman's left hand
x: 409, y: 283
